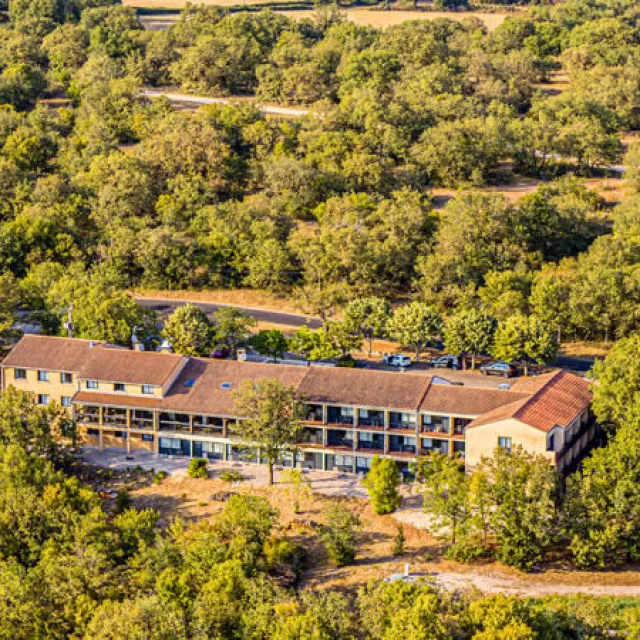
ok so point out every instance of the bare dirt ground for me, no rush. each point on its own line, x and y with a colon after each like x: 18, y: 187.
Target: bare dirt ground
x: 250, y: 298
x: 180, y: 496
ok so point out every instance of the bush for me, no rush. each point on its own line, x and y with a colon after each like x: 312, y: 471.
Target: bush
x: 467, y: 550
x: 123, y: 500
x: 381, y: 484
x: 339, y: 534
x: 160, y: 476
x: 231, y: 476
x: 198, y: 468
x: 398, y: 542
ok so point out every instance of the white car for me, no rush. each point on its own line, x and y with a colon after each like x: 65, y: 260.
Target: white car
x: 397, y: 360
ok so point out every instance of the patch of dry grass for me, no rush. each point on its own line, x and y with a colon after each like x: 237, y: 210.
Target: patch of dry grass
x: 252, y: 298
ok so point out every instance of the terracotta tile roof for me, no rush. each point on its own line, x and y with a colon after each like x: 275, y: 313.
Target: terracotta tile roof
x: 385, y: 389
x: 50, y: 353
x: 466, y: 401
x: 132, y: 367
x: 116, y: 400
x: 560, y: 398
x: 205, y: 392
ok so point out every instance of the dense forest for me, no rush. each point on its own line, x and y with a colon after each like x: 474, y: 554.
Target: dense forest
x: 102, y: 190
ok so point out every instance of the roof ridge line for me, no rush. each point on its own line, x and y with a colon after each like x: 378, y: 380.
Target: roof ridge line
x: 536, y: 396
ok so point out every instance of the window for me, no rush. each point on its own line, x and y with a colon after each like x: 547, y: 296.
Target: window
x: 120, y: 434
x: 93, y: 432
x: 118, y: 386
x: 504, y: 443
x: 225, y: 386
x: 147, y: 437
x: 551, y: 444
x: 43, y: 398
x: 43, y: 376
x: 66, y: 378
x: 92, y: 384
x: 65, y: 401
x: 20, y: 374
x: 147, y: 389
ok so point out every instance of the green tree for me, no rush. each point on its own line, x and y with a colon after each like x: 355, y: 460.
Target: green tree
x: 339, y: 534
x: 416, y: 325
x: 524, y: 494
x: 298, y: 487
x: 616, y: 394
x: 604, y: 513
x: 632, y: 165
x: 269, y: 342
x: 525, y: 339
x: 270, y: 418
x: 313, y: 344
x: 469, y: 331
x: 382, y: 484
x: 233, y: 327
x: 342, y: 338
x: 446, y: 496
x: 189, y: 331
x: 369, y: 317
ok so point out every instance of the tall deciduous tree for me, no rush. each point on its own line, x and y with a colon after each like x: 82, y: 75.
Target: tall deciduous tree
x: 232, y: 327
x: 415, y: 325
x: 382, y: 484
x: 269, y: 342
x: 469, y: 331
x: 313, y: 344
x: 189, y: 331
x: 524, y: 493
x: 616, y: 396
x: 525, y: 339
x: 270, y: 416
x: 369, y: 317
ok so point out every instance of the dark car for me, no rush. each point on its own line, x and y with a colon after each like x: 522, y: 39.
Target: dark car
x: 221, y: 352
x: 498, y: 369
x: 445, y: 362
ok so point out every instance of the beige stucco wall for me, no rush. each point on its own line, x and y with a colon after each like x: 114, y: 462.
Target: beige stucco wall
x: 55, y: 389
x: 129, y: 389
x: 482, y: 440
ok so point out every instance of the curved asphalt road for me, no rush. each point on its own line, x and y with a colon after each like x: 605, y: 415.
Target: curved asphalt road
x: 277, y: 317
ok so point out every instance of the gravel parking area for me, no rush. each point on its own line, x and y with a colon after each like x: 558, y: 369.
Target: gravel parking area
x: 328, y: 483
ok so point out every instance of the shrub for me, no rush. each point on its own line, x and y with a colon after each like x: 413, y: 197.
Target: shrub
x: 123, y: 500
x: 198, y: 468
x: 398, y: 542
x: 160, y: 476
x: 381, y: 484
x: 231, y: 476
x: 339, y: 534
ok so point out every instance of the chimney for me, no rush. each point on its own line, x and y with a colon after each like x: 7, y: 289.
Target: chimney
x: 406, y: 570
x: 91, y: 344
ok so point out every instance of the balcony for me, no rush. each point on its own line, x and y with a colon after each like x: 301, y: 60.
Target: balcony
x: 208, y: 425
x: 438, y: 427
x: 338, y: 415
x: 460, y: 426
x: 371, y: 445
x: 142, y: 420
x: 339, y: 442
x: 368, y: 418
x: 88, y: 415
x: 176, y: 422
x: 313, y: 413
x: 402, y: 421
x: 115, y: 417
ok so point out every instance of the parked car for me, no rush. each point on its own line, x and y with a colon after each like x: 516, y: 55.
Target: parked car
x: 397, y: 360
x: 498, y: 369
x: 221, y: 352
x: 445, y: 362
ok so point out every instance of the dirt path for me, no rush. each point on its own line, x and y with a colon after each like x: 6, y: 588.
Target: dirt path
x: 491, y: 584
